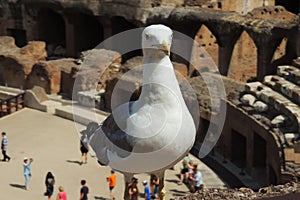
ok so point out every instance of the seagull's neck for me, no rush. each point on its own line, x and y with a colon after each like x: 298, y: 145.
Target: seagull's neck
x: 159, y: 81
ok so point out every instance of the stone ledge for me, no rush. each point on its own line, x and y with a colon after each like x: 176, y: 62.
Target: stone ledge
x: 283, y: 86
x: 279, y: 102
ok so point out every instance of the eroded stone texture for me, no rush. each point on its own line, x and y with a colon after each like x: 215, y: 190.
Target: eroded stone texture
x: 16, y: 63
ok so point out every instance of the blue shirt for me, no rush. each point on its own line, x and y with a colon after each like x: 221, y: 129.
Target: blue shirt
x: 27, y: 168
x: 198, y: 177
x: 147, y: 193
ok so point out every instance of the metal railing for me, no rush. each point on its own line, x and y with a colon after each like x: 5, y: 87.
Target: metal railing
x: 12, y: 104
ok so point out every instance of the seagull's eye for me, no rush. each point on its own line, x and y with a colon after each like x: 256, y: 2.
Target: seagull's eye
x: 147, y: 36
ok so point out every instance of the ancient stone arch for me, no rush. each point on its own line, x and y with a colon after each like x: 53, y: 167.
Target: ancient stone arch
x: 243, y: 61
x: 205, y: 39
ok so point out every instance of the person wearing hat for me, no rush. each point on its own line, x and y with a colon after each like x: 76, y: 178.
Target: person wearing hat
x: 112, y: 179
x: 147, y: 194
x: 27, y: 170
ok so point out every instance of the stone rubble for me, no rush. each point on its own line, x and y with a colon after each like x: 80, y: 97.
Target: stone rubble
x: 244, y: 193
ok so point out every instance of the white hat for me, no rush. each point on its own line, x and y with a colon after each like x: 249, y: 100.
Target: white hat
x: 25, y: 158
x: 145, y: 182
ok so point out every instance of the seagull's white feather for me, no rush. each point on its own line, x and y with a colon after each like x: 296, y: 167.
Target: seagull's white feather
x: 157, y: 130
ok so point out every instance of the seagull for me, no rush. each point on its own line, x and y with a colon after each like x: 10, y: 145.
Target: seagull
x: 156, y: 131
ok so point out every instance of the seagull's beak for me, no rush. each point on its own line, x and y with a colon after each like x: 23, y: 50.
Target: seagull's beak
x: 164, y: 47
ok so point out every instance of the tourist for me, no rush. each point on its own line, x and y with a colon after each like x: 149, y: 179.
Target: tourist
x: 4, y: 145
x: 184, y: 169
x: 84, y: 190
x: 62, y: 194
x: 196, y: 178
x: 49, y: 182
x: 112, y: 179
x: 154, y: 186
x: 84, y: 148
x: 147, y: 194
x: 27, y: 170
x: 133, y: 189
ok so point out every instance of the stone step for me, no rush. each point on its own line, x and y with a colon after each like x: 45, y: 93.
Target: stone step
x: 278, y: 101
x: 289, y: 73
x: 283, y: 86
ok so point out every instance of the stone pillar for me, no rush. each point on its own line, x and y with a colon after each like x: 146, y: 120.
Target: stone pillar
x: 71, y: 49
x: 226, y: 35
x: 225, y: 53
x: 3, y: 26
x: 107, y: 31
x: 266, y: 46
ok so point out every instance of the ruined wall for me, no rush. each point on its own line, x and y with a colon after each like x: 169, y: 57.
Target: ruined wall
x: 236, y: 122
x: 245, y: 6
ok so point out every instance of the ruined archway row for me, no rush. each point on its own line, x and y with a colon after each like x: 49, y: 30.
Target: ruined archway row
x: 69, y: 28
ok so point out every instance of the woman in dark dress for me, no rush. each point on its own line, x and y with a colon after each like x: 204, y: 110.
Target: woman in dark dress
x: 84, y: 148
x: 49, y: 182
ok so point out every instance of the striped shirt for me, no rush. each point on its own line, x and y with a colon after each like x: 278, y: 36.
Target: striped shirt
x: 4, y: 143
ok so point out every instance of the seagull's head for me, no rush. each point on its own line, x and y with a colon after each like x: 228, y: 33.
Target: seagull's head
x: 157, y: 37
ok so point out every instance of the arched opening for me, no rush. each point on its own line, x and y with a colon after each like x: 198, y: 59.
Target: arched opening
x: 205, y: 41
x: 238, y: 149
x: 280, y: 50
x: 243, y: 63
x: 292, y: 6
x: 88, y: 32
x: 120, y: 24
x: 51, y: 30
x: 38, y: 77
x: 272, y: 176
x: 259, y: 159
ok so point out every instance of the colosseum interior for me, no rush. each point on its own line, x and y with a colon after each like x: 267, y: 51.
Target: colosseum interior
x: 254, y: 44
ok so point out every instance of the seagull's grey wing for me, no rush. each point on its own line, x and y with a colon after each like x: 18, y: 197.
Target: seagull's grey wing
x: 115, y: 133
x: 109, y: 136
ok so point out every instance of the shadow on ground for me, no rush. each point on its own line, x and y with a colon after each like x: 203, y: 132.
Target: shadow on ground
x: 178, y: 193
x: 172, y: 181
x: 17, y: 186
x: 100, y: 198
x: 74, y: 162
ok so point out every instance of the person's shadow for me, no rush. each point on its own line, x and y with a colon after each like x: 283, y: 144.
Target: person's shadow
x: 74, y: 161
x: 100, y: 198
x: 17, y: 186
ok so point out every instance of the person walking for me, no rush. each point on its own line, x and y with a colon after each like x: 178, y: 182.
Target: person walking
x: 4, y: 146
x: 49, y: 182
x: 84, y: 148
x: 147, y: 194
x: 112, y: 179
x: 84, y: 190
x: 27, y: 170
x: 62, y: 195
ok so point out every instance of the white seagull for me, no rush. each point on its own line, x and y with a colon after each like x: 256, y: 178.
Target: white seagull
x: 155, y: 132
